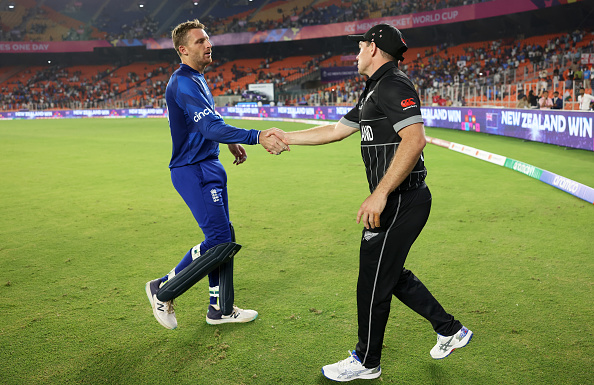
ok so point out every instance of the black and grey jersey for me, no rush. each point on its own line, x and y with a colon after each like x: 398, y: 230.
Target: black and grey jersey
x: 388, y: 104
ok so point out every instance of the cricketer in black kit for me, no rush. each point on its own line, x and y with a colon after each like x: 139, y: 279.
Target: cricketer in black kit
x: 388, y: 116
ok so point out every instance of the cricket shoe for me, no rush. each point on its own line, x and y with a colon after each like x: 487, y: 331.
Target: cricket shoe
x: 215, y: 315
x: 163, y: 311
x: 447, y: 344
x: 350, y: 369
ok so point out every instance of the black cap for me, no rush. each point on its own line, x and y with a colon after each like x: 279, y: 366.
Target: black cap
x: 386, y: 37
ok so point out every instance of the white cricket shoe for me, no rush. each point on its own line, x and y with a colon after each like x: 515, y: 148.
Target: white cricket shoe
x: 163, y: 311
x: 215, y: 315
x: 350, y: 369
x: 446, y: 345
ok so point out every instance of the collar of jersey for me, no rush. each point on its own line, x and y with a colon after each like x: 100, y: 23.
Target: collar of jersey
x: 382, y: 70
x: 187, y: 67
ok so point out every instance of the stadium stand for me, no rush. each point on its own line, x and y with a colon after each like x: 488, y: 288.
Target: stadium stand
x: 280, y: 10
x: 91, y: 86
x: 125, y: 19
x: 82, y: 11
x: 225, y: 18
x: 492, y: 72
x: 10, y: 20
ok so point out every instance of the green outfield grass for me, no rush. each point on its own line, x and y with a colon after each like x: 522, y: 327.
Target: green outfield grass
x: 89, y: 215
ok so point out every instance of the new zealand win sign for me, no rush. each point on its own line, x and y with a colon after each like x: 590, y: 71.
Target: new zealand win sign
x: 563, y: 128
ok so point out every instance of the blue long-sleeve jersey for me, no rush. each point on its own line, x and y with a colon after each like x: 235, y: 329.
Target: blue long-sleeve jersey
x: 196, y: 128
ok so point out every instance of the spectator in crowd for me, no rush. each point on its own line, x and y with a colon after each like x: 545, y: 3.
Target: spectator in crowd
x: 567, y: 96
x: 585, y: 100
x: 544, y: 102
x: 557, y: 101
x: 436, y: 100
x: 542, y: 82
x: 569, y: 78
x: 587, y: 74
x: 522, y: 101
x: 578, y: 77
x: 532, y: 99
x: 556, y: 78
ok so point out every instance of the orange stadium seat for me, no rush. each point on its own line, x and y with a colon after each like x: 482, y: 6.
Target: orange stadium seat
x: 57, y: 25
x: 276, y: 10
x: 14, y: 18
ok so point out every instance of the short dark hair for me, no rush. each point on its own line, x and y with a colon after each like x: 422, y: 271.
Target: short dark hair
x: 386, y: 55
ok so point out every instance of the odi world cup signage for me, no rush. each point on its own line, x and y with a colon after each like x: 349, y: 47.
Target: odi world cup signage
x: 563, y: 128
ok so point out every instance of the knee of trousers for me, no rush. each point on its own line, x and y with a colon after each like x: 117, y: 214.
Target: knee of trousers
x: 214, y: 237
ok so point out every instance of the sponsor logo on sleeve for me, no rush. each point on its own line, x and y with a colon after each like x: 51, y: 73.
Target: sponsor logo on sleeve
x: 201, y: 114
x: 408, y: 103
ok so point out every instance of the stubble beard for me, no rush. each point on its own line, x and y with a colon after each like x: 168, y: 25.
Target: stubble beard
x: 202, y: 63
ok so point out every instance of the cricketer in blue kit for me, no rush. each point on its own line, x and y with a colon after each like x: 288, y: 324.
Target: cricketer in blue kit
x: 196, y: 172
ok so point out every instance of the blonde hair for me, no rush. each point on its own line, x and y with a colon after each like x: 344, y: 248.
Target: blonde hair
x: 180, y: 33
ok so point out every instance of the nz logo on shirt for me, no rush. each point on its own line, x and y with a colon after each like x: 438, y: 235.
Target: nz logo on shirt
x: 366, y: 99
x: 368, y: 96
x: 366, y: 134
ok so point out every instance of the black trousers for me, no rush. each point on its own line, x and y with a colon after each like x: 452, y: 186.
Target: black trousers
x: 382, y: 274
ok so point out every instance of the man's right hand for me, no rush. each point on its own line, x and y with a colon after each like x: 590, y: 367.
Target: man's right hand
x: 274, y: 141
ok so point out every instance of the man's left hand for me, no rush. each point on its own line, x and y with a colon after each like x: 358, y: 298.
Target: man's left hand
x: 238, y: 152
x: 371, y: 209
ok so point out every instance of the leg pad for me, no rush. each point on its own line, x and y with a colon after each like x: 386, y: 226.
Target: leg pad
x: 198, y: 269
x: 226, y: 290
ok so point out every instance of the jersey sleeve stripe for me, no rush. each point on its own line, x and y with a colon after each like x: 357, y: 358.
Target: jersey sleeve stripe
x: 407, y: 122
x: 347, y: 122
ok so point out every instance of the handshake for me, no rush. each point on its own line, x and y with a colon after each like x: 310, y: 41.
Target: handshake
x: 274, y: 140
